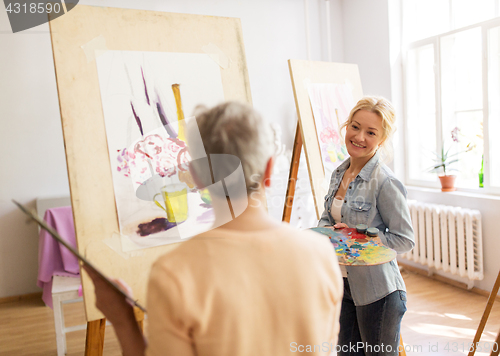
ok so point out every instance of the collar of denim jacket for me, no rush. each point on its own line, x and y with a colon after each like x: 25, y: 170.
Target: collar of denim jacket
x: 343, y: 166
x: 367, y: 170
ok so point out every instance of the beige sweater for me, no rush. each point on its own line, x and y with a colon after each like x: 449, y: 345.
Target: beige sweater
x: 225, y: 292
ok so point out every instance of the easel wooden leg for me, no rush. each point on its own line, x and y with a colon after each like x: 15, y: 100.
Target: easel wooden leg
x: 94, y: 343
x: 496, y: 346
x: 292, y: 178
x: 486, y: 314
x: 402, y: 351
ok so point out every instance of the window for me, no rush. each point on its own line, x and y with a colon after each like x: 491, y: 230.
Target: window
x: 452, y: 89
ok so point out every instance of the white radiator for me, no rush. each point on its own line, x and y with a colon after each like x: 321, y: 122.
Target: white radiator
x: 447, y: 238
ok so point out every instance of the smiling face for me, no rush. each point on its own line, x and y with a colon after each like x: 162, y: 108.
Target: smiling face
x: 364, y: 135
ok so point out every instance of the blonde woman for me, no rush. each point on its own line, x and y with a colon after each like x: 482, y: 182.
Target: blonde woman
x: 363, y: 190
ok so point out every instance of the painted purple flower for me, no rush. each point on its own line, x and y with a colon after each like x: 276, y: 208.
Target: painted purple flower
x: 137, y: 119
x: 145, y: 86
x: 160, y: 107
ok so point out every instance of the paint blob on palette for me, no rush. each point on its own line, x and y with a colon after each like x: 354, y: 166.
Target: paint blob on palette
x: 355, y: 249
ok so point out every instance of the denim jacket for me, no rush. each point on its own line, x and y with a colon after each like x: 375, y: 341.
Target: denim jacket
x: 378, y: 199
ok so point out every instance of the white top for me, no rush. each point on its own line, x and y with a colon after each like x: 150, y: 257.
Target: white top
x: 337, y: 216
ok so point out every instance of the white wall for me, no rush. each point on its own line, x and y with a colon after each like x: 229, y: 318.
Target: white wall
x: 32, y: 158
x: 337, y: 31
x: 366, y: 43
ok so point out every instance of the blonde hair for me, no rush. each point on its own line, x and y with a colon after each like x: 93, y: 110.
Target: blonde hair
x: 384, y: 109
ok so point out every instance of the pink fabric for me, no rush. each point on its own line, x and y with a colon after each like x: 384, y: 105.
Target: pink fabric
x: 54, y: 258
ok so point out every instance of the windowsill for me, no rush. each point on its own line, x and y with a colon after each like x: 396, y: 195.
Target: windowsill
x: 457, y: 193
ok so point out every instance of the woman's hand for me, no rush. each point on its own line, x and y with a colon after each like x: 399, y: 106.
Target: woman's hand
x: 340, y: 226
x: 109, y: 301
x: 119, y: 312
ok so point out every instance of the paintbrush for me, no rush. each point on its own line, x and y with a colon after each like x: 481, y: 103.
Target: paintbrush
x: 56, y: 236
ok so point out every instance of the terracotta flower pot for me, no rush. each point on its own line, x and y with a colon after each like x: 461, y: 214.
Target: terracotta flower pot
x: 447, y: 183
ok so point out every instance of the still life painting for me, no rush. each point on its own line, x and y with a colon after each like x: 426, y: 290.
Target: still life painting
x: 145, y: 96
x: 331, y: 104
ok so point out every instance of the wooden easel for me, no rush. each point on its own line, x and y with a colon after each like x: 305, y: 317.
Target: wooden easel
x: 94, y: 342
x: 83, y: 122
x: 484, y: 319
x: 290, y: 192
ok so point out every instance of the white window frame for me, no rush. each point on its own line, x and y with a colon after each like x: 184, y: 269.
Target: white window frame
x: 435, y: 41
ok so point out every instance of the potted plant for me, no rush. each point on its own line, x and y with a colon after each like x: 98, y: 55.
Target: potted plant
x: 445, y: 159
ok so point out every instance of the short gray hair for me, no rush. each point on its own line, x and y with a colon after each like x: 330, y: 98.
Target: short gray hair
x: 235, y: 128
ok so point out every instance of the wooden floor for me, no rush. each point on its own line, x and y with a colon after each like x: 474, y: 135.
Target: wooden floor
x: 27, y: 328
x: 441, y: 320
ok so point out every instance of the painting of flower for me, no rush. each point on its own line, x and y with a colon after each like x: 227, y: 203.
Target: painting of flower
x: 331, y: 104
x: 144, y: 120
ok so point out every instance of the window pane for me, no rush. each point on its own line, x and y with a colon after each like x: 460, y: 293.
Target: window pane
x: 425, y: 18
x: 421, y: 113
x: 467, y: 12
x: 470, y: 134
x: 462, y: 102
x: 494, y: 104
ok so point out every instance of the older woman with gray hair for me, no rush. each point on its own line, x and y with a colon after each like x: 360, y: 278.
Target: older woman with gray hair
x: 250, y: 285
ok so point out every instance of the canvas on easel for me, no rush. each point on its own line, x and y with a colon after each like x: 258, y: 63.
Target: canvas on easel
x: 324, y: 94
x: 116, y: 72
